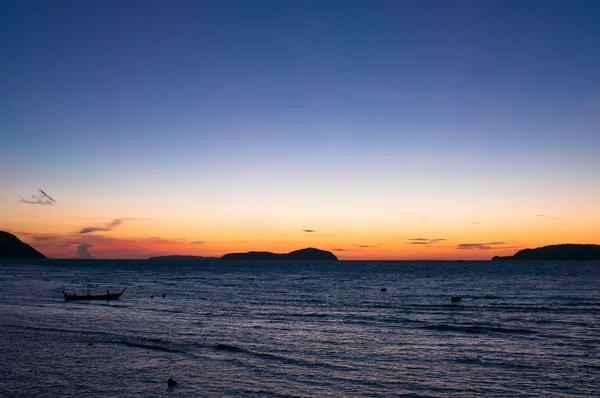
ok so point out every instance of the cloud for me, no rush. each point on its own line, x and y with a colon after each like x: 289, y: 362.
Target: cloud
x: 83, y: 251
x: 425, y: 241
x: 339, y: 250
x: 308, y: 230
x: 475, y: 222
x: 197, y: 242
x: 87, y: 230
x: 481, y: 246
x: 104, y: 246
x: 42, y: 199
x: 541, y: 215
x: 367, y: 246
x: 44, y: 238
x: 108, y: 227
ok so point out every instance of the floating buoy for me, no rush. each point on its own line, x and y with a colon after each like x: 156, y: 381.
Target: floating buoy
x: 383, y: 289
x: 163, y: 295
x: 455, y: 299
x: 152, y: 296
x: 171, y: 382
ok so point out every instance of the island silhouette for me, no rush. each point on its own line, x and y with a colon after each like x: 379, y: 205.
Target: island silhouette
x: 310, y: 253
x: 567, y: 251
x: 13, y: 247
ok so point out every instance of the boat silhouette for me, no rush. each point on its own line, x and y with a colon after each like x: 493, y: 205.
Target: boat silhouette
x: 88, y: 296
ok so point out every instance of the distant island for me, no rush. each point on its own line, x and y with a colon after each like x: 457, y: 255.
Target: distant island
x: 556, y: 252
x: 310, y: 254
x: 12, y: 247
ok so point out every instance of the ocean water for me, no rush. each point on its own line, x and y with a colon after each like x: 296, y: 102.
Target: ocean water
x: 284, y: 329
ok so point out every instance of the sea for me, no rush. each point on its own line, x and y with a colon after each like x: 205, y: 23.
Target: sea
x: 301, y: 329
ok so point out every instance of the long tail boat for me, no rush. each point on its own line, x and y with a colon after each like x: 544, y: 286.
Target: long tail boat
x: 88, y: 296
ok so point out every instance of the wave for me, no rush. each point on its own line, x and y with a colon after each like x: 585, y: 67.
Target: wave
x: 311, y: 315
x: 480, y: 361
x: 487, y: 297
x: 279, y: 357
x: 582, y: 304
x: 104, y: 337
x: 149, y: 346
x: 590, y: 366
x: 230, y: 348
x: 477, y: 329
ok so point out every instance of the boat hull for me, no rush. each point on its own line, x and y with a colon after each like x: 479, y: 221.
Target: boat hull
x: 70, y: 297
x: 75, y: 297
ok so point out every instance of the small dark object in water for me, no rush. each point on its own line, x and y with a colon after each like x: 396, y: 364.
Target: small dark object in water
x: 152, y: 296
x: 88, y: 296
x: 171, y: 382
x: 163, y: 295
x: 383, y: 289
x: 455, y: 299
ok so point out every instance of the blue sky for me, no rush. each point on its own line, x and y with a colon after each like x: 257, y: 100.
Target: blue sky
x: 153, y: 99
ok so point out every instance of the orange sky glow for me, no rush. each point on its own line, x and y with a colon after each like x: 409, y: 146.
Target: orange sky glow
x: 58, y: 235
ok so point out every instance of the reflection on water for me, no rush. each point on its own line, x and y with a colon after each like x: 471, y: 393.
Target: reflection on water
x: 300, y: 330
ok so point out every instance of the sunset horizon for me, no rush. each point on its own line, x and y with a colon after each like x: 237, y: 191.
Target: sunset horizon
x: 104, y: 247
x: 384, y: 130
x: 300, y: 198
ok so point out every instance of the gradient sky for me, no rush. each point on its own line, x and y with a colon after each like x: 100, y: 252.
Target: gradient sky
x: 374, y: 129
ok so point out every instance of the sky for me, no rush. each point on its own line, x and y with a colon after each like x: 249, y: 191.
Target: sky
x: 373, y: 129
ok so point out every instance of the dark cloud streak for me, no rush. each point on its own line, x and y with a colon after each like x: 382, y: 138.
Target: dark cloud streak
x: 44, y: 238
x: 108, y: 227
x: 425, y: 241
x: 378, y: 245
x: 480, y: 246
x: 42, y: 199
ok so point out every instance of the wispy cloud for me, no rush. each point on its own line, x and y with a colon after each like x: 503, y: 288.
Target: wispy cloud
x: 41, y: 199
x: 339, y: 250
x: 362, y: 246
x: 44, y: 238
x: 308, y: 230
x: 425, y: 241
x: 108, y: 227
x: 105, y: 246
x: 482, y: 246
x: 83, y: 252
